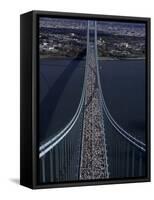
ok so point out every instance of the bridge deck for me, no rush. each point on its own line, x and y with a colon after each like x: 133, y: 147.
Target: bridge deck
x: 93, y: 156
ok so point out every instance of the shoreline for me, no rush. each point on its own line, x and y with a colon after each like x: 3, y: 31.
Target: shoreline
x: 109, y: 58
x: 99, y: 58
x: 60, y: 57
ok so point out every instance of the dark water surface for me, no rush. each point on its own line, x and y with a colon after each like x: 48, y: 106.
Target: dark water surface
x: 123, y: 85
x: 61, y: 82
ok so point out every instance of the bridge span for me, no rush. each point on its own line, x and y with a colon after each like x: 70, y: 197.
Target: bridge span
x: 94, y: 154
x: 85, y: 149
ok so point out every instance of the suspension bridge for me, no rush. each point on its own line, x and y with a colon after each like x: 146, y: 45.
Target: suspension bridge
x: 84, y: 149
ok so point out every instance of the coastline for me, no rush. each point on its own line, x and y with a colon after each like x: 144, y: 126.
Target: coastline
x: 60, y: 57
x: 99, y: 58
x: 110, y: 58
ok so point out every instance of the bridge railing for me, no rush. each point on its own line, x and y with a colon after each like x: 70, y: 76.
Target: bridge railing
x: 126, y: 154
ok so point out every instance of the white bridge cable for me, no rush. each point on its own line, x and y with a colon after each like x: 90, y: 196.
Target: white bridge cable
x: 43, y: 146
x: 139, y: 144
x: 55, y: 140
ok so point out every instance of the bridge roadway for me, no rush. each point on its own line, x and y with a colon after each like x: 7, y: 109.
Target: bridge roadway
x: 93, y: 154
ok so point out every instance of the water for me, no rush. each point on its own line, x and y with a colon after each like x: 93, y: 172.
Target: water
x: 123, y: 85
x: 61, y: 82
